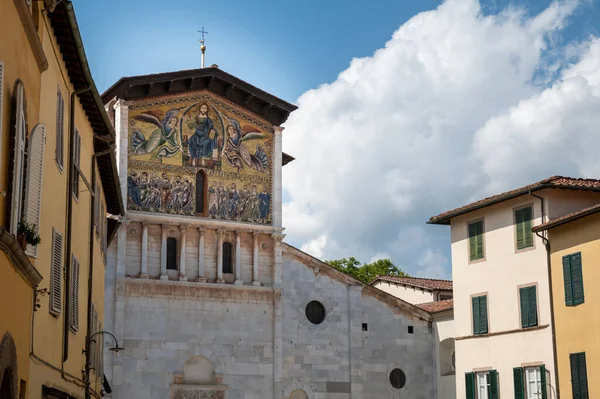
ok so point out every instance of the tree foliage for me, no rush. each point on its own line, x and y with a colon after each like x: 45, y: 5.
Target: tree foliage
x: 367, y: 271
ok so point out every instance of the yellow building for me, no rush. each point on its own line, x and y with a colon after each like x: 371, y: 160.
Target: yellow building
x: 58, y: 175
x: 574, y: 242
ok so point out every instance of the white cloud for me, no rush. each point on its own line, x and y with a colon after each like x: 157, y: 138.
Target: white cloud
x: 446, y: 111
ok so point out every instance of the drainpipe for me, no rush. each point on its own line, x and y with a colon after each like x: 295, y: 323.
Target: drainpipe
x: 68, y: 232
x: 549, y: 267
x: 91, y: 268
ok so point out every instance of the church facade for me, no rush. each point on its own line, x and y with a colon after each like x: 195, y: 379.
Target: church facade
x: 206, y: 298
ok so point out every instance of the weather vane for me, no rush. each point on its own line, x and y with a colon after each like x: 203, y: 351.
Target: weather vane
x: 202, y: 46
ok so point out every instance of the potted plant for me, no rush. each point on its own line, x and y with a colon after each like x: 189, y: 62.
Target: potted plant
x: 27, y: 234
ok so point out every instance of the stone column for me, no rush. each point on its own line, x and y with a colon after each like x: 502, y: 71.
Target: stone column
x: 255, y: 259
x: 238, y: 258
x: 183, y: 230
x: 201, y: 277
x: 220, y: 233
x: 163, y: 253
x: 276, y: 204
x: 144, y: 273
x: 278, y: 259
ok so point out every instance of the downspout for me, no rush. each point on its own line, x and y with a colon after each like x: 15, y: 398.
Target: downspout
x: 68, y: 234
x: 91, y: 269
x: 549, y: 268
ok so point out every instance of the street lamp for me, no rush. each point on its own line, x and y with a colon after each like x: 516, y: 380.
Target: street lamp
x: 116, y: 349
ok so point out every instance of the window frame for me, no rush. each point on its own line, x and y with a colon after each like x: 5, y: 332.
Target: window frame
x: 578, y: 357
x: 487, y: 384
x: 468, y: 224
x: 574, y: 301
x: 487, y: 312
x: 231, y: 261
x: 515, y: 233
x: 171, y: 239
x: 537, y: 304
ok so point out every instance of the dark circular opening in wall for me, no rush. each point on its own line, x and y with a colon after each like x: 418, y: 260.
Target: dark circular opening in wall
x: 315, y: 312
x: 397, y: 378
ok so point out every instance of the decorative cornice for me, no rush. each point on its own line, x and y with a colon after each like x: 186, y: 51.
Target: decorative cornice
x: 14, y: 252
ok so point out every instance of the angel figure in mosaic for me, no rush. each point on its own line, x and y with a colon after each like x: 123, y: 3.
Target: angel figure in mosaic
x: 164, y: 139
x: 237, y: 154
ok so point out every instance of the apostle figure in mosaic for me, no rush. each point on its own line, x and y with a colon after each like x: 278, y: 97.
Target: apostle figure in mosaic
x: 213, y: 203
x: 144, y: 190
x: 237, y: 154
x: 233, y: 202
x: 163, y: 139
x: 133, y: 189
x: 264, y: 204
x: 165, y: 192
x: 204, y: 140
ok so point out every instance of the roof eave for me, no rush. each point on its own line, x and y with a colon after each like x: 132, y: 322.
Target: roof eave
x: 550, y: 225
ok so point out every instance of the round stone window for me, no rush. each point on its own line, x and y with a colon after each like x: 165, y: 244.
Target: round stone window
x: 315, y: 312
x: 397, y: 378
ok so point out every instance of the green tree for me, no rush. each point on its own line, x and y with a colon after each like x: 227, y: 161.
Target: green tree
x: 367, y: 271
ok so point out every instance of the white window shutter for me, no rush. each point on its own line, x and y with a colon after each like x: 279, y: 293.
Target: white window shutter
x: 35, y: 168
x: 76, y: 161
x: 74, y: 295
x: 56, y: 278
x: 100, y: 368
x: 60, y: 132
x: 19, y: 159
x: 1, y: 98
x: 92, y: 332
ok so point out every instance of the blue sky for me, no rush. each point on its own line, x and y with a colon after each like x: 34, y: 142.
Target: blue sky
x: 406, y: 108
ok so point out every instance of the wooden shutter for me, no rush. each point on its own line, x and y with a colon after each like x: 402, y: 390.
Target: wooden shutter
x: 20, y: 139
x: 92, y: 344
x: 476, y: 316
x: 1, y: 98
x: 76, y: 161
x: 472, y: 242
x: 533, y: 321
x: 102, y: 228
x: 518, y: 380
x: 470, y: 385
x: 577, y: 279
x: 56, y: 274
x: 74, y: 304
x: 483, y: 322
x: 527, y: 225
x: 579, y: 382
x: 494, y: 384
x: 60, y: 131
x: 35, y: 168
x: 520, y: 229
x: 543, y: 382
x: 524, y: 295
x: 566, y: 261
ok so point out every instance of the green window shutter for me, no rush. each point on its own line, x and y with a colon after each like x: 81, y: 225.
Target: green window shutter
x: 476, y: 329
x: 575, y: 376
x: 520, y: 229
x: 525, y: 306
x: 566, y: 260
x: 483, y: 322
x: 533, y: 321
x: 543, y: 382
x: 470, y: 385
x: 518, y: 379
x: 582, y: 371
x: 577, y: 279
x: 493, y: 384
x: 479, y: 240
x: 472, y: 242
x: 527, y: 225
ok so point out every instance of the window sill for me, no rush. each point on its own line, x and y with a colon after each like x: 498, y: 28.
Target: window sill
x: 493, y: 334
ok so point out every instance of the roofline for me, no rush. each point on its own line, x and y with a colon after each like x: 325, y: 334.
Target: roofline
x: 446, y: 219
x: 382, y: 278
x: 576, y: 216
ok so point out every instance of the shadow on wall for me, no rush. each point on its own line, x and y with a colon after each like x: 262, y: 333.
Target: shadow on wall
x: 447, y: 364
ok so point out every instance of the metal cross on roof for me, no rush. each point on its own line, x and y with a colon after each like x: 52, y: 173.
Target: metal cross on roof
x: 203, y: 32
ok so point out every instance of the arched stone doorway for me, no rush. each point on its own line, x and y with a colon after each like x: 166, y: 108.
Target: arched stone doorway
x: 8, y: 368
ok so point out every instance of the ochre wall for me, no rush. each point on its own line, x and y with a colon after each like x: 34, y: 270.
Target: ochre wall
x: 577, y: 326
x: 172, y: 139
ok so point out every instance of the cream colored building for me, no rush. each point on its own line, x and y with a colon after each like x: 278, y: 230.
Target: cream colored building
x: 502, y: 302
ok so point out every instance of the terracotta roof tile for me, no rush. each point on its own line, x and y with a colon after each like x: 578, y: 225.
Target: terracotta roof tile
x: 437, y: 306
x: 552, y: 182
x: 567, y: 218
x: 425, y: 283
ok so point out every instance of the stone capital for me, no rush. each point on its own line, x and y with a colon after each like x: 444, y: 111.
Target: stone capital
x: 278, y: 237
x: 183, y: 228
x: 144, y: 224
x: 221, y: 231
x: 201, y: 231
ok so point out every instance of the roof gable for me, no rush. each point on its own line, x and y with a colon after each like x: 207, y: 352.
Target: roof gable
x: 267, y: 106
x: 428, y: 284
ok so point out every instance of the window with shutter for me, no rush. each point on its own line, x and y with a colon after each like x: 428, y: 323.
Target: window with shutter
x: 1, y: 104
x: 476, y: 247
x: 523, y: 224
x: 528, y: 297
x: 56, y: 274
x: 60, y: 130
x: 470, y: 385
x: 484, y: 388
x: 76, y: 162
x: 74, y: 294
x: 480, y: 322
x: 494, y: 390
x: 35, y: 168
x: 20, y: 139
x: 518, y: 383
x: 573, y: 279
x: 579, y: 383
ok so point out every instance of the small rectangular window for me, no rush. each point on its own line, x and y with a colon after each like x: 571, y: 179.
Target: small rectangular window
x: 171, y: 253
x: 476, y: 250
x: 523, y: 221
x: 227, y: 258
x: 579, y: 381
x: 480, y: 320
x: 573, y: 279
x: 411, y: 329
x: 365, y: 327
x: 482, y: 385
x: 528, y: 299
